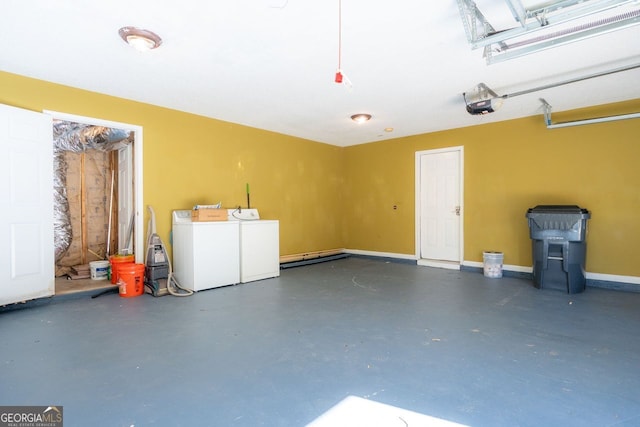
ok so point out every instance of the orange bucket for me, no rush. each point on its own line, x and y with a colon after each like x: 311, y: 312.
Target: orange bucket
x: 131, y: 280
x: 116, y: 261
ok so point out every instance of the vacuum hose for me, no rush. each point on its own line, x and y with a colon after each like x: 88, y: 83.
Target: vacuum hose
x: 173, y: 287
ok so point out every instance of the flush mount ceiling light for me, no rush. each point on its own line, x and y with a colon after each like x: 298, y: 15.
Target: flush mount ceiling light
x: 140, y: 39
x: 361, y: 118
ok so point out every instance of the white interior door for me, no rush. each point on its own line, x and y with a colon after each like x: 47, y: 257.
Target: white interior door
x: 26, y: 213
x: 439, y: 204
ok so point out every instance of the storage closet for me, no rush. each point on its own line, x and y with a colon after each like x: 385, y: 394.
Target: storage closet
x: 86, y: 199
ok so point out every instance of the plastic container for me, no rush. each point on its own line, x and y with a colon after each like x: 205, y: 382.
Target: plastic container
x: 99, y: 270
x: 492, y: 264
x: 131, y: 280
x: 568, y: 222
x: 116, y: 261
x: 558, y: 236
x: 559, y: 265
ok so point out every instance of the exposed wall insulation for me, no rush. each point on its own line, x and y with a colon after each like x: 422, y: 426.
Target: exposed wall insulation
x: 85, y: 199
x: 88, y: 185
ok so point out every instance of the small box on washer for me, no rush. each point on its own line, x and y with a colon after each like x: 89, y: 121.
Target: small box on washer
x: 201, y: 215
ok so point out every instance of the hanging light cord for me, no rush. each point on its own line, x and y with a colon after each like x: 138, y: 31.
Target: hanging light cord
x: 340, y: 77
x: 339, y: 35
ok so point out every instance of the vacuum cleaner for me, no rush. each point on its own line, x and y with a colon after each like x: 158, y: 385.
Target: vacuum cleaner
x: 159, y: 279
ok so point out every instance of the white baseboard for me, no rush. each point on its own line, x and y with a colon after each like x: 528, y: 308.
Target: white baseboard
x: 599, y: 277
x: 634, y: 280
x: 613, y: 278
x: 380, y: 254
x: 449, y: 265
x: 505, y: 267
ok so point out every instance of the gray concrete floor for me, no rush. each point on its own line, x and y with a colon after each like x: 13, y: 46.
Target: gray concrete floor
x: 280, y: 352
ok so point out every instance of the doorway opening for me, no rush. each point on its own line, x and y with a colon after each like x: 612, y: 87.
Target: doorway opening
x: 439, y: 207
x: 97, y: 197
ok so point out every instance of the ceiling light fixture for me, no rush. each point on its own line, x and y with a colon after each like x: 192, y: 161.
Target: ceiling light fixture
x: 361, y: 118
x: 139, y: 39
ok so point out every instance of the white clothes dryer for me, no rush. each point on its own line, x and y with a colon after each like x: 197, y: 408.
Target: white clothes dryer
x: 259, y: 245
x: 205, y: 254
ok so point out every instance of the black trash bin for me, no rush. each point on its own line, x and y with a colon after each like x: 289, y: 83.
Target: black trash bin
x: 559, y: 247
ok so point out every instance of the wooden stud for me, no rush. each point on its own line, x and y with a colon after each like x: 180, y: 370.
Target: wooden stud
x: 83, y: 210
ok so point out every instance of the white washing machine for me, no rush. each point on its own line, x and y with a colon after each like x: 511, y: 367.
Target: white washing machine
x: 205, y: 254
x: 259, y: 245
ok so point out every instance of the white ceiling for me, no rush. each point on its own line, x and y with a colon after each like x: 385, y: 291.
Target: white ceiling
x: 270, y: 64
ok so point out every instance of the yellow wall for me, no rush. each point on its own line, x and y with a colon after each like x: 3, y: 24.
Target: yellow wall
x: 190, y: 159
x: 509, y: 167
x: 329, y: 197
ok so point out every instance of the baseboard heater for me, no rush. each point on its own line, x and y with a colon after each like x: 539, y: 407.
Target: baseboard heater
x: 300, y: 260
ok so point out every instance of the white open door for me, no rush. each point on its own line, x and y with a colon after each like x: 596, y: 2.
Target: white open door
x: 26, y: 213
x: 439, y: 207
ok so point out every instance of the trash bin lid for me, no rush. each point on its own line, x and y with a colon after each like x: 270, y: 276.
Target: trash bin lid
x: 562, y: 217
x: 558, y: 209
